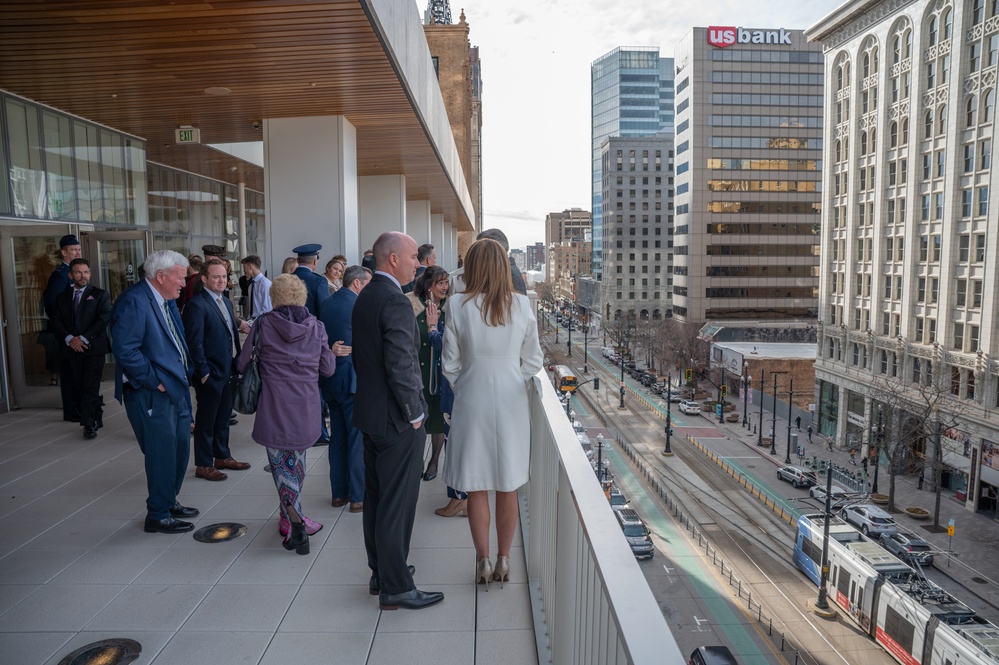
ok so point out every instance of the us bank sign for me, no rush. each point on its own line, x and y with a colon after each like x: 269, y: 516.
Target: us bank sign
x: 726, y: 35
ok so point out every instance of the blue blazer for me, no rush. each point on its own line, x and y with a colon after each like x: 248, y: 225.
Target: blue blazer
x: 316, y: 287
x: 208, y: 338
x: 335, y: 313
x: 143, y: 347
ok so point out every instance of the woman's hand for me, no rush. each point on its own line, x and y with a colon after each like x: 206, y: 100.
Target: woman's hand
x: 433, y: 314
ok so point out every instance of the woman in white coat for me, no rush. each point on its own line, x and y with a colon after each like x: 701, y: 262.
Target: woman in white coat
x: 491, y: 351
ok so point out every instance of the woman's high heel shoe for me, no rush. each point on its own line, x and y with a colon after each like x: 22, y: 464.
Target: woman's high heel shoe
x: 502, y: 572
x: 483, y: 571
x: 454, y: 507
x: 298, y: 539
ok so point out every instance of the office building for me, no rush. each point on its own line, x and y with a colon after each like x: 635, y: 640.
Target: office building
x: 631, y: 91
x: 748, y: 175
x: 909, y: 293
x: 637, y: 227
x: 535, y: 256
x: 568, y: 248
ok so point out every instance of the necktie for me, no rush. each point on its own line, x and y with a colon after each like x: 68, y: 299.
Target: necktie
x: 249, y: 296
x: 175, y: 334
x: 77, y: 295
x: 228, y: 322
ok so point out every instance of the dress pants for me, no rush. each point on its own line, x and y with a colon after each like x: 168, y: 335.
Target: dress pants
x: 69, y: 389
x: 346, y: 454
x: 163, y: 430
x: 393, y: 465
x: 87, y: 370
x: 211, y: 421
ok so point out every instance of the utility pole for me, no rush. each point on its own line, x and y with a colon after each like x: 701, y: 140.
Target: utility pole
x: 822, y: 602
x: 759, y: 438
x: 773, y: 422
x: 669, y: 418
x: 790, y: 405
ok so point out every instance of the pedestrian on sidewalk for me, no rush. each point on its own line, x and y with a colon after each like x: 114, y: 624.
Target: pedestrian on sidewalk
x: 809, y: 434
x: 922, y: 476
x: 797, y: 423
x: 853, y: 457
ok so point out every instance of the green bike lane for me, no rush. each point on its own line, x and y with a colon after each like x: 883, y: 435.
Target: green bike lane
x: 696, y: 601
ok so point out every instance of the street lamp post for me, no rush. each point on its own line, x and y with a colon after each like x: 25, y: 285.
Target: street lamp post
x: 822, y: 601
x: 773, y: 421
x: 746, y: 380
x: 790, y: 405
x: 721, y: 398
x: 877, y: 454
x: 669, y: 417
x: 568, y: 344
x: 759, y: 437
x: 586, y: 341
x: 623, y: 350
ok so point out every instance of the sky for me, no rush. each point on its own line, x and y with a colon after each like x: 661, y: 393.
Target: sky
x: 536, y: 57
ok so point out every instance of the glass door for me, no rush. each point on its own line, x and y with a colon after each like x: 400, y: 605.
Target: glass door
x: 28, y: 255
x: 115, y: 258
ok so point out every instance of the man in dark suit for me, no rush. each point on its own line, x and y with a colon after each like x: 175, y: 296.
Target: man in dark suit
x: 316, y: 286
x: 389, y: 410
x: 213, y: 340
x: 82, y: 314
x: 346, y: 454
x: 153, y: 380
x: 69, y: 249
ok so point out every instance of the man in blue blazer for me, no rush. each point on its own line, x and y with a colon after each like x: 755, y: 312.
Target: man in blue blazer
x: 213, y: 340
x: 153, y: 379
x: 346, y: 443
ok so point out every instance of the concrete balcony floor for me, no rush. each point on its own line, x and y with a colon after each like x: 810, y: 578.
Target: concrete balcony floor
x: 76, y: 566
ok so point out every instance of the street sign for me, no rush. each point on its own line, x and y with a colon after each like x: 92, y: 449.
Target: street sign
x: 950, y: 530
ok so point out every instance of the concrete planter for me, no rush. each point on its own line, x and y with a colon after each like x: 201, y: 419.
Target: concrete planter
x: 917, y: 513
x: 879, y: 499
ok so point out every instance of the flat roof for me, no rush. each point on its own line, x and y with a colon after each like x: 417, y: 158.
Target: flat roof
x: 771, y: 349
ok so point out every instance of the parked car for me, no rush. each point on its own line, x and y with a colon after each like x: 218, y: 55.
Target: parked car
x: 675, y: 397
x: 795, y: 476
x: 690, y: 407
x: 617, y: 500
x: 908, y: 548
x: 869, y: 519
x: 839, y: 495
x: 636, y: 533
x: 717, y: 655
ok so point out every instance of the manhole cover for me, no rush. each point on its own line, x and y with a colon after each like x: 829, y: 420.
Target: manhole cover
x: 218, y: 533
x: 106, y: 652
x: 979, y: 580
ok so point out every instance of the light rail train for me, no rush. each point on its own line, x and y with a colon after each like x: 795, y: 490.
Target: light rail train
x: 917, y: 622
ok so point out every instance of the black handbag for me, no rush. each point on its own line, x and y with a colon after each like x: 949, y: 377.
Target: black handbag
x: 247, y: 385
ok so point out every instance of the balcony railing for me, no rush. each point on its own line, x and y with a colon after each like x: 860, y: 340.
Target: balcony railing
x: 592, y: 604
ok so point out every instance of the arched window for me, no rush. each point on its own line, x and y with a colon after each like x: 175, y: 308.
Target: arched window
x: 928, y: 124
x: 942, y: 120
x: 905, y: 131
x: 867, y: 64
x: 863, y: 143
x: 874, y: 139
x: 893, y: 135
x: 977, y: 12
x: 948, y: 23
x: 971, y: 111
x: 932, y: 32
x: 839, y: 151
x: 989, y: 111
x: 896, y: 49
x: 839, y: 78
x: 907, y: 44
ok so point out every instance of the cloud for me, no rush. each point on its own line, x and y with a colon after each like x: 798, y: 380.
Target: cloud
x: 520, y: 17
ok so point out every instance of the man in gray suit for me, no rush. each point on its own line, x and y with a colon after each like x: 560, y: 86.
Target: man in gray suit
x: 389, y: 409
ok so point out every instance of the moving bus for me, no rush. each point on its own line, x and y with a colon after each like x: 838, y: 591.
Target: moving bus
x: 565, y: 379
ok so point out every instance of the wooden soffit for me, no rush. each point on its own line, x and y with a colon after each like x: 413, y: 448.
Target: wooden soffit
x: 143, y: 67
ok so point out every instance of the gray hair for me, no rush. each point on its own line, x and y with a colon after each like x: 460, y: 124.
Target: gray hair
x: 162, y: 261
x: 497, y: 235
x: 355, y: 272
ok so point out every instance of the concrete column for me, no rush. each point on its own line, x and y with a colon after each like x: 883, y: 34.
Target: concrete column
x: 452, y: 243
x: 437, y: 240
x: 310, y: 186
x: 382, y: 205
x: 418, y: 221
x: 841, y: 421
x: 241, y: 220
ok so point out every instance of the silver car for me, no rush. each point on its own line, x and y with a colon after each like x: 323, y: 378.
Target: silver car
x: 908, y: 548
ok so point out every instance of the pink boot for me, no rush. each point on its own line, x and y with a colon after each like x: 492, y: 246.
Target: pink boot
x: 311, y: 527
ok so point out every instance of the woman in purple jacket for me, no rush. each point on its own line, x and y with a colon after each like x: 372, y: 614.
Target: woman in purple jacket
x: 292, y: 353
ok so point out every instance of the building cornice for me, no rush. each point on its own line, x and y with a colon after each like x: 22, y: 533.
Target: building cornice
x: 853, y: 19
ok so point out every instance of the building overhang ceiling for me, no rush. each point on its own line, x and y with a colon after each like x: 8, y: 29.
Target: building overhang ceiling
x: 147, y: 67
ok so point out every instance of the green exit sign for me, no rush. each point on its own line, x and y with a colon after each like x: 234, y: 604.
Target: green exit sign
x: 187, y: 135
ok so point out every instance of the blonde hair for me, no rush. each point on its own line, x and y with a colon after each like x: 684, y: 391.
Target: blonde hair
x: 290, y: 265
x: 487, y: 273
x: 287, y: 290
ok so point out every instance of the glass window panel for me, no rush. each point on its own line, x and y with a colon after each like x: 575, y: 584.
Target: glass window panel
x: 136, y: 190
x: 88, y: 172
x: 59, y: 167
x: 113, y: 172
x: 27, y: 177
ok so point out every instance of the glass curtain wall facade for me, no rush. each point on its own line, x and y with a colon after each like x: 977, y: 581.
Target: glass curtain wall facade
x: 631, y: 92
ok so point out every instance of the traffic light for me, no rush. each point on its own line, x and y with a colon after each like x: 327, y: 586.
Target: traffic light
x: 596, y: 383
x: 724, y: 391
x: 690, y: 375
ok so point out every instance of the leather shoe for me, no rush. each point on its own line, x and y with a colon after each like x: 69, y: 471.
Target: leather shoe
x: 409, y: 600
x: 209, y: 473
x: 234, y: 420
x: 338, y: 503
x: 231, y: 464
x: 357, y: 507
x: 89, y: 433
x: 183, y: 511
x: 322, y: 441
x: 71, y: 419
x: 375, y: 584
x: 167, y: 525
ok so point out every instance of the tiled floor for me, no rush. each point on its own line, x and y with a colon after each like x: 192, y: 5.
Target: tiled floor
x: 76, y: 566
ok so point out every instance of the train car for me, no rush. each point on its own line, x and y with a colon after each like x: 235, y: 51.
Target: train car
x: 917, y: 622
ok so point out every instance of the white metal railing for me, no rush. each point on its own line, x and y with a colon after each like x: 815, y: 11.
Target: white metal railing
x: 591, y: 602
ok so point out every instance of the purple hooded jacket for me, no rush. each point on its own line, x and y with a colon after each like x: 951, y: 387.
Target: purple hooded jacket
x: 292, y: 353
